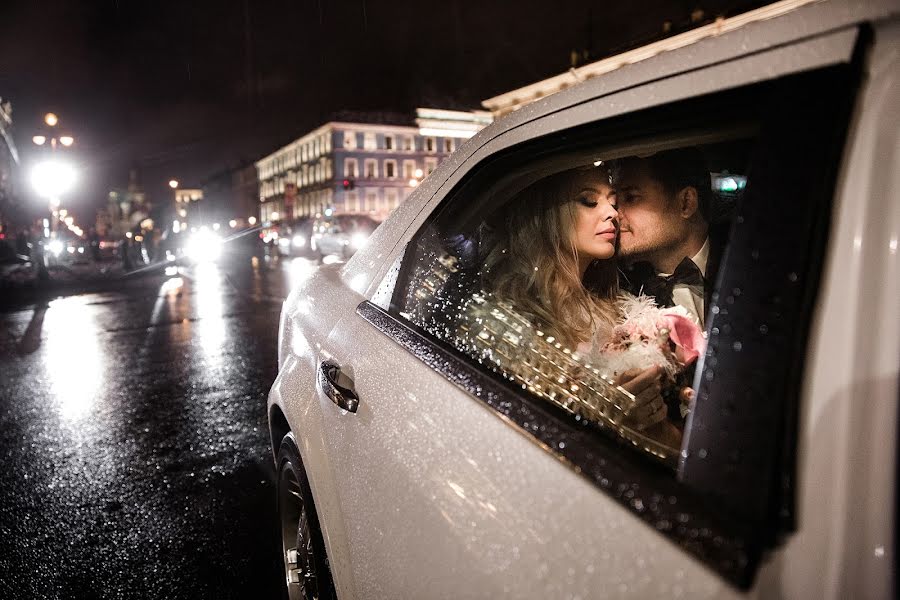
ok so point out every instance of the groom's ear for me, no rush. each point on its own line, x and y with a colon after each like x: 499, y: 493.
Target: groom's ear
x: 688, y: 202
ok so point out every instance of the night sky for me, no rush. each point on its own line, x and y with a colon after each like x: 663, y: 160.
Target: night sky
x: 187, y: 88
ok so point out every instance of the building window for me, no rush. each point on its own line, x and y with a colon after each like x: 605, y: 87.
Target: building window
x: 408, y: 143
x: 409, y: 169
x: 329, y: 169
x: 388, y: 142
x: 390, y: 196
x: 430, y: 165
x: 448, y: 145
x: 352, y: 201
x: 371, y: 200
x: 390, y: 168
x: 429, y: 144
x: 351, y: 168
x: 371, y: 166
x: 369, y: 141
x: 326, y: 142
x: 349, y: 140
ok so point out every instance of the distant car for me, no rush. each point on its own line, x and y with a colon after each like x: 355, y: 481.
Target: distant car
x: 415, y: 460
x: 294, y: 238
x: 341, y: 235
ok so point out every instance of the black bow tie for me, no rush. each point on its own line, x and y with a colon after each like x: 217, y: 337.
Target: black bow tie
x: 687, y: 273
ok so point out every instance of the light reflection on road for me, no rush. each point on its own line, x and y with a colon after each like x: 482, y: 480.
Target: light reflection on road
x: 209, y: 310
x: 74, y: 362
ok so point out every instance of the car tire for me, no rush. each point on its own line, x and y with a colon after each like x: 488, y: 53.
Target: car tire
x: 306, y: 570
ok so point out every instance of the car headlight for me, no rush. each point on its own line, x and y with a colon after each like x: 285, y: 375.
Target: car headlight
x: 204, y: 246
x: 284, y: 242
x: 357, y: 240
x: 299, y: 241
x: 55, y: 246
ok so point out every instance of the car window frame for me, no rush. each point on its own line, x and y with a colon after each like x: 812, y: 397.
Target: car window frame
x: 735, y: 549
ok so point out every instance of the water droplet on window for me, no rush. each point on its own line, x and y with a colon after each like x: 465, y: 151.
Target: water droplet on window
x: 737, y: 346
x: 764, y: 329
x: 792, y: 277
x: 702, y: 453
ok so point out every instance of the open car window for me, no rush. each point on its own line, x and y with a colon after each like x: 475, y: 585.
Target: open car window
x: 483, y: 275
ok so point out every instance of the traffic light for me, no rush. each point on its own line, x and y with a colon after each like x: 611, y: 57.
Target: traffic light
x: 349, y: 184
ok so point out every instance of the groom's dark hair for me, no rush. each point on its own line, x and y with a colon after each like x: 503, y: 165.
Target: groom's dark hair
x: 676, y: 170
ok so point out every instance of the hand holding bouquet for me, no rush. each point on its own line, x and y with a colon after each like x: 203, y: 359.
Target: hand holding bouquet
x: 648, y: 336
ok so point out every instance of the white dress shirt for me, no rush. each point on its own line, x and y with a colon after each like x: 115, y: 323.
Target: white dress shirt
x: 683, y: 295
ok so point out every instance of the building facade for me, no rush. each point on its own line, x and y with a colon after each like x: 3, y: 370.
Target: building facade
x: 126, y: 210
x: 359, y: 168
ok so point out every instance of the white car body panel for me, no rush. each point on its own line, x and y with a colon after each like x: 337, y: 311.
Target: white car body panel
x: 425, y: 492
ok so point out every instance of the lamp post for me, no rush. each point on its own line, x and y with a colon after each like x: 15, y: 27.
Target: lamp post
x: 51, y: 178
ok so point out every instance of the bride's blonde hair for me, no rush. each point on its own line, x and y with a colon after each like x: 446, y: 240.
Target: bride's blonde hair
x: 533, y: 263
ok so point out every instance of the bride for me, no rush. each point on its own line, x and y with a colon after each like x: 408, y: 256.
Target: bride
x: 543, y: 244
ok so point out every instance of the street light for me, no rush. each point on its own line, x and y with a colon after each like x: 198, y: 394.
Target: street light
x: 173, y: 183
x: 51, y: 179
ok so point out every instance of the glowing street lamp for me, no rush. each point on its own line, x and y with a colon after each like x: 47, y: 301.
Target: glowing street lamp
x: 173, y: 183
x: 39, y: 140
x: 66, y: 140
x: 51, y: 119
x: 52, y: 178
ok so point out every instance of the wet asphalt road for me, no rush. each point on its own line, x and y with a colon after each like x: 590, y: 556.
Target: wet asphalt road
x: 133, y: 435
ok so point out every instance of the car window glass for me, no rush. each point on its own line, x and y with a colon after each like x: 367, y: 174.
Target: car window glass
x: 545, y: 276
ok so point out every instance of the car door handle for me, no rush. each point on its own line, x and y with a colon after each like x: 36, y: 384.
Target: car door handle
x: 343, y: 397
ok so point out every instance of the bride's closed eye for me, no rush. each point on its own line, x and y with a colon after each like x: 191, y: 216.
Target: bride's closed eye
x: 584, y: 201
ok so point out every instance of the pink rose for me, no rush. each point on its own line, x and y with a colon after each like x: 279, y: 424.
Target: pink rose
x: 686, y: 335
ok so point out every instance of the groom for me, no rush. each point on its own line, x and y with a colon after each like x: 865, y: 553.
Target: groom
x: 667, y: 246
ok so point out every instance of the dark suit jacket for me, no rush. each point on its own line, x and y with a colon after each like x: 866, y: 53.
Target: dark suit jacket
x: 632, y: 277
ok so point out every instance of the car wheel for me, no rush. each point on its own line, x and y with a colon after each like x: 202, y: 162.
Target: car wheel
x: 306, y: 569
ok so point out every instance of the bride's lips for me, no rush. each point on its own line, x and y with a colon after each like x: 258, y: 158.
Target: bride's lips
x: 609, y: 234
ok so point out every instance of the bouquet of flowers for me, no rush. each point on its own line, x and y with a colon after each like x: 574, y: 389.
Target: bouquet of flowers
x: 648, y: 335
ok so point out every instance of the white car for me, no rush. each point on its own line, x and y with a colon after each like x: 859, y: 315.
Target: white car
x: 412, y: 464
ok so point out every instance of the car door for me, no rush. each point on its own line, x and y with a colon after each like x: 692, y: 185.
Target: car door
x: 453, y: 481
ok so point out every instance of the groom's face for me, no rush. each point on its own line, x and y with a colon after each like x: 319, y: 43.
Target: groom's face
x: 650, y: 224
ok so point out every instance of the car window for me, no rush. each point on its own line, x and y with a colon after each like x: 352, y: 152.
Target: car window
x: 494, y: 292
x: 542, y: 278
